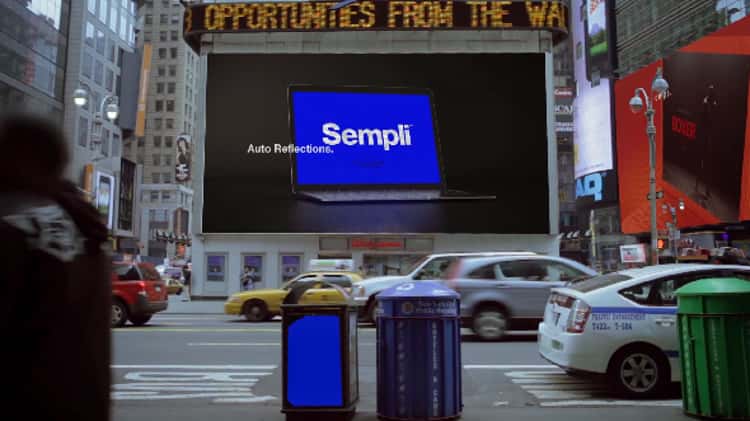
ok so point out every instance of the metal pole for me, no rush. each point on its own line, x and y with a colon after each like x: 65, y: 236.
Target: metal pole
x: 651, y: 131
x: 674, y: 232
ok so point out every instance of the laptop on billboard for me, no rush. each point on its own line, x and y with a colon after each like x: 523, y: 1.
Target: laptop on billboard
x: 366, y: 144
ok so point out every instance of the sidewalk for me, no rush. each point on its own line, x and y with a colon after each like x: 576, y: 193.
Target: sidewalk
x: 177, y: 306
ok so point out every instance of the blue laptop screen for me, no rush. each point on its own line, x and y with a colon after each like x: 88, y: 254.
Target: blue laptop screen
x: 364, y: 138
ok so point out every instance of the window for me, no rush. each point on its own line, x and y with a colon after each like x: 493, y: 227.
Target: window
x: 165, y: 4
x: 170, y: 105
x: 175, y: 18
x: 173, y: 52
x: 167, y: 159
x: 98, y: 72
x: 105, y: 142
x: 162, y: 53
x: 173, y: 35
x: 165, y: 196
x: 127, y: 273
x: 435, y: 268
x: 660, y: 293
x: 114, y: 17
x: 156, y: 159
x: 170, y: 123
x: 147, y: 36
x: 156, y: 178
x: 141, y: 142
x: 83, y: 131
x: 339, y: 280
x: 157, y: 123
x: 161, y: 70
x: 159, y: 105
x: 484, y: 272
x: 172, y: 70
x: 116, y: 147
x: 215, y: 268
x: 92, y: 6
x: 167, y: 176
x: 157, y: 141
x: 125, y: 28
x: 171, y: 87
x: 162, y: 35
x: 154, y: 196
x: 111, y: 50
x: 139, y: 159
x: 164, y: 19
x: 110, y: 80
x: 89, y: 34
x: 160, y: 88
x: 168, y: 141
x: 149, y: 19
x: 103, y: 11
x: 88, y: 63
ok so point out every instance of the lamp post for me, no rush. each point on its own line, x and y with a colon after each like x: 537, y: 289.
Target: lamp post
x: 108, y: 107
x: 672, y: 226
x: 659, y: 87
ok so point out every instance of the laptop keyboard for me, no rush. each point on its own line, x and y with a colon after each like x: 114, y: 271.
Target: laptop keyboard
x: 374, y: 195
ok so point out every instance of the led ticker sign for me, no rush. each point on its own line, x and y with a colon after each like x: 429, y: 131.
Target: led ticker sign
x: 381, y: 15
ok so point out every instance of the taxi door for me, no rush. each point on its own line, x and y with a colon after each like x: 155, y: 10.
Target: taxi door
x: 323, y: 292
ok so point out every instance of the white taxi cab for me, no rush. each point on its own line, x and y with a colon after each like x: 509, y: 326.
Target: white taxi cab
x: 623, y: 325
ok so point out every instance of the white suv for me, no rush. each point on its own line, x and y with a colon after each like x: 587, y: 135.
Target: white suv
x: 429, y: 267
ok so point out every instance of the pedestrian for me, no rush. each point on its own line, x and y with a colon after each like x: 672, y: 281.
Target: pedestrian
x: 54, y: 281
x: 187, y: 272
x: 245, y: 278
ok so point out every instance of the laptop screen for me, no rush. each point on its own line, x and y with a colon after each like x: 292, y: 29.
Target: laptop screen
x: 350, y: 137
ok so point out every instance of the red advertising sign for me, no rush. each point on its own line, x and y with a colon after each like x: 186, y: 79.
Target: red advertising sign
x: 369, y: 243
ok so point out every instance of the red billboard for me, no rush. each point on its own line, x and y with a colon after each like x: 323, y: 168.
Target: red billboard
x: 702, y: 134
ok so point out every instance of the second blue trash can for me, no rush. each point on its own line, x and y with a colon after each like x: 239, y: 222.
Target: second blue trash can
x: 419, y: 352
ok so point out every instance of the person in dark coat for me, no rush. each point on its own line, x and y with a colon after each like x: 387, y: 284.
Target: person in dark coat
x: 54, y: 281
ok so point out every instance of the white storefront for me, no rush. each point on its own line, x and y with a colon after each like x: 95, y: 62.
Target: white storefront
x: 218, y: 258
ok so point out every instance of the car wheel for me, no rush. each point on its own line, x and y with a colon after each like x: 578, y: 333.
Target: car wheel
x: 638, y: 372
x: 490, y: 323
x: 119, y: 313
x: 255, y: 311
x: 140, y: 319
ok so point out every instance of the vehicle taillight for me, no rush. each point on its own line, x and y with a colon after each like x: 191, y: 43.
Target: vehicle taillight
x: 579, y: 315
x: 561, y: 300
x: 142, y: 288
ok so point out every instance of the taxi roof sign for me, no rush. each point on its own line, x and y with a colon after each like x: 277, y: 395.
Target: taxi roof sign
x: 343, y: 265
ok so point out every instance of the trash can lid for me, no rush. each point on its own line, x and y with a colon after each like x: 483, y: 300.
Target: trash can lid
x: 715, y: 286
x: 421, y: 289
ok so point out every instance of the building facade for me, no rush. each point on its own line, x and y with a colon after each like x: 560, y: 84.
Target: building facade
x: 33, y: 56
x: 171, y: 108
x: 244, y: 212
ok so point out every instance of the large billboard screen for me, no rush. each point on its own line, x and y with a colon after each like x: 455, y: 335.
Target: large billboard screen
x: 593, y: 129
x: 471, y: 122
x: 366, y: 138
x: 702, y: 136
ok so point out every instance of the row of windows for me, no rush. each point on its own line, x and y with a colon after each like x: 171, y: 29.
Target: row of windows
x: 162, y: 70
x: 157, y: 159
x: 168, y: 123
x: 110, y: 142
x: 158, y: 178
x: 95, y: 70
x: 167, y: 105
x: 164, y: 19
x: 168, y: 141
x: 164, y: 3
x: 98, y: 42
x: 171, y: 86
x: 162, y: 52
x: 120, y: 16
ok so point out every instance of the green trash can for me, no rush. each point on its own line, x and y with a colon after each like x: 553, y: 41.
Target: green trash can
x: 713, y: 322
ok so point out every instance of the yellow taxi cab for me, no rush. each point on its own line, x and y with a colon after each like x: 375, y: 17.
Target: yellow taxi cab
x: 263, y: 304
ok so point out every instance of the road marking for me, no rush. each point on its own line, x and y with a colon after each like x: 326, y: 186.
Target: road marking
x: 565, y: 386
x: 507, y: 366
x: 667, y: 403
x: 197, y: 367
x: 232, y: 385
x: 254, y: 344
x: 536, y: 374
x: 177, y: 329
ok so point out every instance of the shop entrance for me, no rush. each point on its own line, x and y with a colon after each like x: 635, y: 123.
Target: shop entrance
x: 388, y: 264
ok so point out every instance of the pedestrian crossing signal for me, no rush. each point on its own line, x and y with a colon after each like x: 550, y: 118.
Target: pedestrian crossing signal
x: 661, y: 244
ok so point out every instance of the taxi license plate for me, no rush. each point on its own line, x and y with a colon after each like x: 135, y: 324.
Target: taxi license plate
x: 158, y: 289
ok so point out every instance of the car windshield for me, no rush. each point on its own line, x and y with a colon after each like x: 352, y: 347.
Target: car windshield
x: 414, y: 266
x: 596, y: 282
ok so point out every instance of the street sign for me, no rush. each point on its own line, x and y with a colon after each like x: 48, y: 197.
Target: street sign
x: 659, y: 195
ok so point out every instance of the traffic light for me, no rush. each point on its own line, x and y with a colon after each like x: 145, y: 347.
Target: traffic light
x: 661, y: 244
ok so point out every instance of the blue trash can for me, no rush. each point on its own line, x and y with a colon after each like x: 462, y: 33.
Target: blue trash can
x: 419, y: 352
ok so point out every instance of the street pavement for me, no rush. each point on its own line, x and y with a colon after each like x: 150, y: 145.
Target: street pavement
x: 210, y: 366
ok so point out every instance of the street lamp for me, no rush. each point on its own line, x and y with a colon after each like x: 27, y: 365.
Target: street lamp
x: 107, y: 107
x: 672, y: 227
x: 659, y: 88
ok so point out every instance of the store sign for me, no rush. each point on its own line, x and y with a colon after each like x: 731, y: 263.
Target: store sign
x: 590, y: 185
x: 105, y: 185
x: 331, y: 264
x: 373, y: 15
x: 633, y: 253
x: 366, y: 243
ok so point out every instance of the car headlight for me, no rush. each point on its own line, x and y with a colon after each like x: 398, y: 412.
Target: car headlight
x: 358, y: 291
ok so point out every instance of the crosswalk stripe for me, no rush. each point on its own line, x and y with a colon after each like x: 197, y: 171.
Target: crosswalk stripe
x: 569, y: 403
x: 560, y: 394
x: 566, y: 386
x: 548, y: 381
